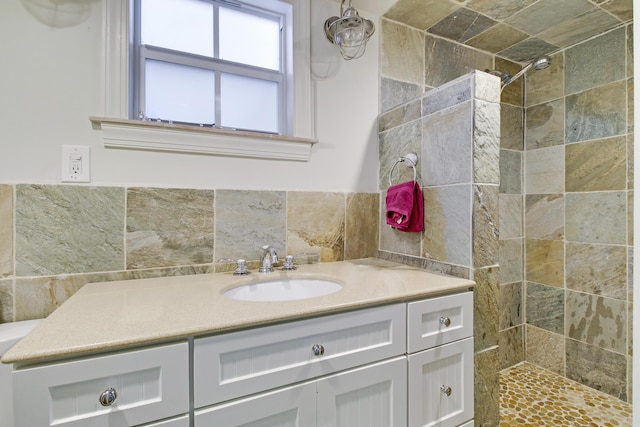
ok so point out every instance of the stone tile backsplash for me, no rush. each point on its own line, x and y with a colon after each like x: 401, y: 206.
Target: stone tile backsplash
x: 169, y: 227
x: 62, y: 229
x: 66, y: 235
x: 243, y: 218
x: 316, y: 225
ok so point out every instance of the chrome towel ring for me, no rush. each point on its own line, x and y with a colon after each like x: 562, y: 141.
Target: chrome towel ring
x: 411, y: 159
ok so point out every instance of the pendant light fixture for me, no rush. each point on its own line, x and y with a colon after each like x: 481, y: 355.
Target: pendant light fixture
x: 349, y: 32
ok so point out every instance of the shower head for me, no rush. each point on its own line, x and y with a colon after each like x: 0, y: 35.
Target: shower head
x: 540, y: 63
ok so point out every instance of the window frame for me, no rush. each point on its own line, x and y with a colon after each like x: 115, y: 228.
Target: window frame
x: 142, y: 52
x: 119, y: 131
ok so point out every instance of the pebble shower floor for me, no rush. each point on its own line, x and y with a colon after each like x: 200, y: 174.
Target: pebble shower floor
x: 533, y: 396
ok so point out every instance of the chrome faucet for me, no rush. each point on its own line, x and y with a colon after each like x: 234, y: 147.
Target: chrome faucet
x: 269, y: 258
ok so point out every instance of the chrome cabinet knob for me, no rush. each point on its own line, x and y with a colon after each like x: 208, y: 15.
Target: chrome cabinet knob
x: 446, y: 390
x: 445, y: 321
x: 318, y: 350
x: 108, y: 397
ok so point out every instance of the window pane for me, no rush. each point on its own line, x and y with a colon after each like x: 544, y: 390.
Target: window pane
x: 248, y: 103
x: 249, y: 39
x: 184, y: 25
x: 179, y: 93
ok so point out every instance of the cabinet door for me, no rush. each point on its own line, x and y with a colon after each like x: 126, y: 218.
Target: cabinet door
x: 149, y: 384
x: 372, y: 396
x: 289, y: 407
x: 441, y: 385
x: 233, y: 365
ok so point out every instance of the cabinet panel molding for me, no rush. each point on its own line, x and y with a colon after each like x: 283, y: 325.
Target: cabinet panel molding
x: 371, y: 396
x: 441, y: 385
x: 440, y: 320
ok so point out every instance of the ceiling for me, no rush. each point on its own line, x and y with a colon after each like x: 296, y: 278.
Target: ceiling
x: 517, y: 30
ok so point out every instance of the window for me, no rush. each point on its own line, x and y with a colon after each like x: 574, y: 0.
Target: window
x: 215, y: 63
x: 122, y: 129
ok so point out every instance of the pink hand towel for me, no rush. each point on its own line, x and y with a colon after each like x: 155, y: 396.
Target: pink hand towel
x: 405, y: 207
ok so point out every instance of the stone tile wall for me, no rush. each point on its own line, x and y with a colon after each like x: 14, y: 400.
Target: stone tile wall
x: 66, y: 235
x: 455, y: 130
x: 578, y: 213
x: 565, y: 217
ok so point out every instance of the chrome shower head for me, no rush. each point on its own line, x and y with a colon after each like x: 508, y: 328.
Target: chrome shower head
x: 540, y: 63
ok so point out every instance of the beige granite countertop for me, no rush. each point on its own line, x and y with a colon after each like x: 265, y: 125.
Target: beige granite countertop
x: 108, y: 316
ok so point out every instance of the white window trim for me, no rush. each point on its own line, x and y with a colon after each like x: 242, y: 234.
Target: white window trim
x: 119, y: 131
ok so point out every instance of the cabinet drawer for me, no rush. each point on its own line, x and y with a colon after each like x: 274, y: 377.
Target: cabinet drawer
x: 237, y: 364
x: 441, y: 385
x: 151, y: 384
x: 439, y: 321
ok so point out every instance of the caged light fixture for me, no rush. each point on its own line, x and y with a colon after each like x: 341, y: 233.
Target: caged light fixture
x: 349, y: 32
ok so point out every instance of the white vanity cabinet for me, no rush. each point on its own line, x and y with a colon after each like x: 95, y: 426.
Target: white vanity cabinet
x: 440, y: 353
x: 114, y: 390
x: 396, y: 365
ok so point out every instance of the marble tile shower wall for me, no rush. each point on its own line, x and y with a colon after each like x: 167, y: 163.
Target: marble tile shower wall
x: 66, y: 236
x: 578, y: 199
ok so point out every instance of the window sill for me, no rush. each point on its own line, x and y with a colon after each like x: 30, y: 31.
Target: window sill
x: 141, y: 135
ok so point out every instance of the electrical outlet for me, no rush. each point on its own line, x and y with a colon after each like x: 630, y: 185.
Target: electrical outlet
x: 75, y: 163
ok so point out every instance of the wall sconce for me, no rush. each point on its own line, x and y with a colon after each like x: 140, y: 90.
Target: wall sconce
x: 349, y: 32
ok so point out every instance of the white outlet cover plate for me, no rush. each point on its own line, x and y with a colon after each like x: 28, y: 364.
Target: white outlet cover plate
x: 82, y: 172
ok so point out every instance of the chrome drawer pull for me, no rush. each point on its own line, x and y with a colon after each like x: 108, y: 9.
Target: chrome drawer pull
x: 445, y: 321
x: 108, y: 397
x: 318, y: 350
x: 446, y: 390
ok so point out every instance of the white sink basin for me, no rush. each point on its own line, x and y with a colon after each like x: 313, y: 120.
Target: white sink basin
x: 283, y: 290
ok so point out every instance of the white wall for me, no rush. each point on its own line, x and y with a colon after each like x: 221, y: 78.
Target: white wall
x: 50, y: 83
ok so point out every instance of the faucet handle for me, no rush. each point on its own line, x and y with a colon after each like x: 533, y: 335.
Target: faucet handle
x: 241, y: 268
x: 288, y: 264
